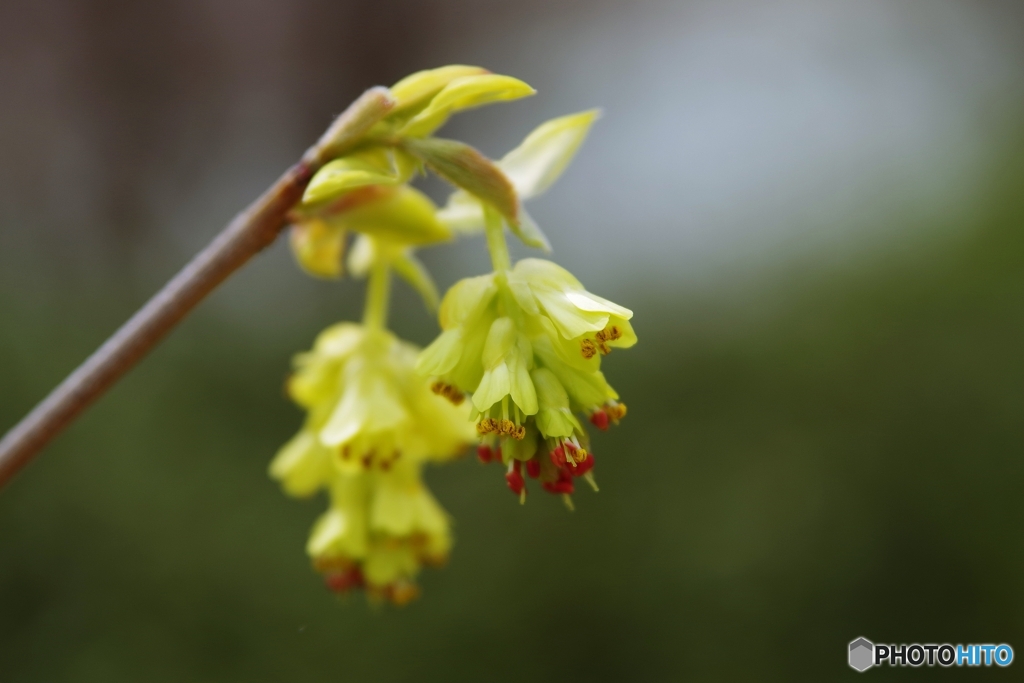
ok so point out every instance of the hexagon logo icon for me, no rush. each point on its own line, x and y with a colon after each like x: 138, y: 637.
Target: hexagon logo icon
x: 862, y: 654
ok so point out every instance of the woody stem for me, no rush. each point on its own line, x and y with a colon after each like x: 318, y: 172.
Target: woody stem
x: 250, y: 232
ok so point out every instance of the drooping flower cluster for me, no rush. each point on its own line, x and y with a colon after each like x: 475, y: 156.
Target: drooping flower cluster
x: 527, y: 340
x: 523, y: 343
x: 372, y: 423
x: 527, y: 344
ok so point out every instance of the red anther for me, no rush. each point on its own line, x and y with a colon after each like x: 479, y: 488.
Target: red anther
x: 558, y: 456
x: 484, y: 453
x: 533, y: 468
x: 341, y: 582
x: 599, y: 419
x: 585, y: 466
x: 515, y: 481
x: 560, y: 486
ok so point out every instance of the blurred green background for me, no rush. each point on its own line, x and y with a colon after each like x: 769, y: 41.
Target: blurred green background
x: 827, y: 271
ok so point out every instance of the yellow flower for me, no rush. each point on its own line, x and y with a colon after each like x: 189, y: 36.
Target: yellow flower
x: 527, y: 344
x: 497, y: 328
x: 381, y: 528
x: 367, y: 409
x: 526, y: 341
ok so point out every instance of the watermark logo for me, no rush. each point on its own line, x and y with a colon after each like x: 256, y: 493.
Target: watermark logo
x: 863, y: 654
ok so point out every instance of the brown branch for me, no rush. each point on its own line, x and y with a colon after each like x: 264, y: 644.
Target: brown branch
x: 249, y: 233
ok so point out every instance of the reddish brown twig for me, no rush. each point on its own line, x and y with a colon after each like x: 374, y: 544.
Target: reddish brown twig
x: 249, y: 233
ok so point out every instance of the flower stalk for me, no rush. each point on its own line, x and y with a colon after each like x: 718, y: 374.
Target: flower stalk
x: 378, y: 288
x: 496, y: 243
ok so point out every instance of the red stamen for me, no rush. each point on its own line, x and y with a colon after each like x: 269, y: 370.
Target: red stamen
x: 533, y: 468
x: 559, y: 486
x: 515, y: 481
x: 558, y: 456
x: 585, y: 466
x: 342, y: 582
x: 484, y: 453
x: 599, y: 419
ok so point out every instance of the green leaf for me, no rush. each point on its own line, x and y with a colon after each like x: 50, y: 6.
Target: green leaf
x: 545, y: 153
x: 464, y: 93
x: 347, y: 173
x: 400, y: 214
x: 416, y: 90
x: 464, y: 167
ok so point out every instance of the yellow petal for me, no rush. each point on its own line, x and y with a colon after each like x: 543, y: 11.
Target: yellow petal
x: 302, y: 465
x: 466, y: 299
x: 318, y: 248
x: 494, y: 386
x: 442, y: 355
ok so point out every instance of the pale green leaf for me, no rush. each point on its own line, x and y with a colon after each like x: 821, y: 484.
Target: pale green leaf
x: 465, y: 93
x: 400, y: 214
x: 545, y: 153
x: 416, y: 90
x: 347, y: 173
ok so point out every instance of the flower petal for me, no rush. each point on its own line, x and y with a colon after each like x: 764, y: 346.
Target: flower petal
x: 466, y: 299
x: 571, y: 321
x: 501, y: 338
x: 585, y: 301
x: 442, y: 355
x: 494, y: 386
x: 521, y: 387
x: 302, y: 465
x: 318, y: 247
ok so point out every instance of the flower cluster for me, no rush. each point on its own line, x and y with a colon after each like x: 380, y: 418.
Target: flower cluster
x: 526, y: 341
x: 523, y: 344
x: 527, y: 344
x: 380, y: 529
x: 371, y: 424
